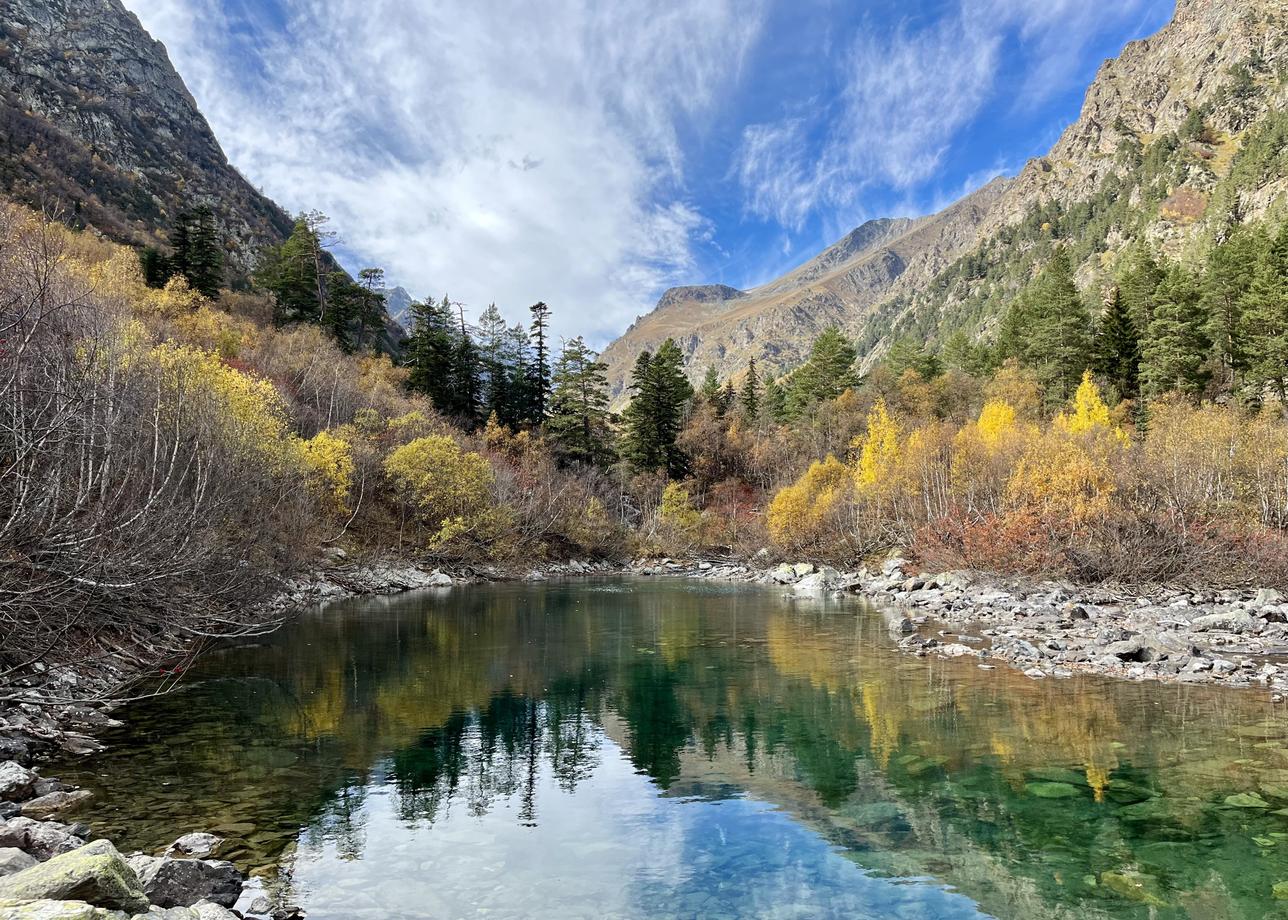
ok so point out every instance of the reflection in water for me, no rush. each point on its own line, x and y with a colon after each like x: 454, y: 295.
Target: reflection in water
x: 644, y: 749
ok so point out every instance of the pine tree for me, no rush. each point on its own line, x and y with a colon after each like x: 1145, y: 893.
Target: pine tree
x: 1117, y: 346
x: 297, y: 271
x: 827, y: 374
x: 578, y: 423
x: 1231, y: 270
x: 156, y: 266
x: 1049, y: 329
x: 518, y: 360
x: 749, y: 396
x: 1176, y: 343
x: 725, y: 399
x: 653, y: 419
x: 467, y: 385
x: 907, y: 354
x: 1264, y: 322
x: 540, y: 390
x: 1137, y: 284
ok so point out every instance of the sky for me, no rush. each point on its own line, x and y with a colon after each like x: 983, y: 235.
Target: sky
x: 592, y: 153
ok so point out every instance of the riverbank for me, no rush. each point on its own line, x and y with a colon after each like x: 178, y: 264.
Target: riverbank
x: 1233, y: 638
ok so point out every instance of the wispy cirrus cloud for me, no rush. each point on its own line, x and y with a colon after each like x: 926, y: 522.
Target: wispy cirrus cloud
x: 499, y: 150
x: 909, y: 91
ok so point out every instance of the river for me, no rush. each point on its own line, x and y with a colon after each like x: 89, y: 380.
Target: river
x: 648, y: 749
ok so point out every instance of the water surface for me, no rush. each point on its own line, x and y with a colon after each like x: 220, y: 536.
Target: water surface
x: 644, y: 749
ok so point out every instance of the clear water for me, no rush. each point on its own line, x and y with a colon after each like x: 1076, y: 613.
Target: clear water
x: 644, y: 749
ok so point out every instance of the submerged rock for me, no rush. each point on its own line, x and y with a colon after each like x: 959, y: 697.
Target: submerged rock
x: 198, y: 846
x: 95, y: 873
x: 52, y: 803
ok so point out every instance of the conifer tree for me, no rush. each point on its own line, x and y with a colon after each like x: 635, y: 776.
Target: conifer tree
x: 540, y: 387
x: 372, y: 308
x: 827, y: 374
x: 467, y: 385
x: 1117, y: 346
x: 1137, y: 284
x: 202, y: 262
x: 496, y: 380
x: 725, y: 399
x: 1049, y: 328
x: 709, y: 391
x: 749, y: 396
x: 1176, y: 343
x: 653, y: 419
x: 1264, y: 322
x: 578, y: 422
x: 431, y: 352
x: 775, y: 401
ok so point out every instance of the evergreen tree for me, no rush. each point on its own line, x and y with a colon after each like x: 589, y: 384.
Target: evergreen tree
x: 346, y: 300
x: 963, y: 353
x: 156, y: 267
x: 1049, y: 329
x: 653, y: 419
x: 1264, y: 322
x: 1117, y: 346
x: 202, y: 259
x: 1176, y: 343
x: 467, y: 385
x: 540, y: 389
x: 495, y: 370
x: 709, y: 391
x: 297, y: 271
x: 1231, y: 270
x: 749, y: 396
x: 431, y: 353
x: 827, y: 374
x: 578, y: 423
x: 725, y: 399
x: 907, y: 354
x: 775, y: 401
x: 372, y: 308
x: 518, y: 359
x: 1137, y: 284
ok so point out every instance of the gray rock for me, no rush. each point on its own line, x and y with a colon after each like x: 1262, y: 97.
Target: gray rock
x: 1267, y: 596
x: 42, y: 839
x: 801, y: 569
x: 1132, y: 649
x: 15, y: 781
x: 95, y: 873
x: 171, y: 882
x: 784, y: 574
x: 440, y: 580
x: 207, y: 910
x: 198, y: 846
x: 57, y: 910
x: 14, y: 860
x: 54, y: 802
x: 1229, y: 621
x: 172, y: 913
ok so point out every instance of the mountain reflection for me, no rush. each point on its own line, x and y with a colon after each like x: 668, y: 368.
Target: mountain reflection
x: 1035, y: 798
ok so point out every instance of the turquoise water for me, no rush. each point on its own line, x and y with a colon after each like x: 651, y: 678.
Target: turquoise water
x: 668, y: 749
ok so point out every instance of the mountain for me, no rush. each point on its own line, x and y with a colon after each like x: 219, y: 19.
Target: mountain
x: 1181, y: 135
x: 398, y: 305
x: 97, y: 127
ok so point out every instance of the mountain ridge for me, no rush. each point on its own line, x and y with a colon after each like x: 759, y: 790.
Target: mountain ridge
x: 1140, y: 98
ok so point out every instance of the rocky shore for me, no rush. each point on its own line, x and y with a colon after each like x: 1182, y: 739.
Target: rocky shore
x: 1051, y: 629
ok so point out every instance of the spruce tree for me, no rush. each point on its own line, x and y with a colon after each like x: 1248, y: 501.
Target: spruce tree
x: 709, y: 391
x: 725, y: 399
x: 775, y: 401
x: 1176, y: 344
x: 655, y: 415
x: 749, y: 396
x: 431, y: 353
x: 1264, y: 323
x: 1117, y: 346
x: 518, y: 361
x: 495, y: 370
x: 203, y: 261
x: 1137, y: 284
x: 578, y: 423
x: 540, y: 390
x: 372, y: 309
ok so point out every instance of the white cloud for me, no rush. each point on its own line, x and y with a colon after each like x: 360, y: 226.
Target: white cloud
x: 908, y: 95
x: 495, y: 149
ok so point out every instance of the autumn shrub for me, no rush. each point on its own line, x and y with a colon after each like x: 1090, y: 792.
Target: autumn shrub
x: 446, y: 490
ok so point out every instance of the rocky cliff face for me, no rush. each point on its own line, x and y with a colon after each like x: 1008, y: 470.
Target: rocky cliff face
x: 1223, y: 58
x: 96, y: 125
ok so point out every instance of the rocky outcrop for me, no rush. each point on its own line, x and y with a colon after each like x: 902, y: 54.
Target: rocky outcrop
x: 171, y: 882
x: 94, y: 120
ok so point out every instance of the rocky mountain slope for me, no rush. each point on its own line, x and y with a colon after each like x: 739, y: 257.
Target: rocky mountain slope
x: 1180, y: 135
x: 96, y: 125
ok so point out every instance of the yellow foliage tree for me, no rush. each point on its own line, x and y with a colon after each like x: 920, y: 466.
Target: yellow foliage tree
x: 328, y: 459
x: 450, y: 487
x: 797, y: 514
x: 879, y: 448
x: 677, y: 515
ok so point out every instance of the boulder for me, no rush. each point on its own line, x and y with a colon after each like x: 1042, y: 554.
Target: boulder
x: 95, y: 873
x: 1132, y: 649
x: 207, y: 910
x: 52, y: 803
x: 197, y: 846
x: 1232, y: 621
x: 1267, y: 596
x: 440, y: 580
x: 55, y: 910
x: 784, y: 574
x: 14, y: 860
x: 42, y: 839
x: 15, y: 781
x: 171, y: 882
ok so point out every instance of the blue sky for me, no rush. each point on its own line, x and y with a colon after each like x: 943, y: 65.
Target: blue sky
x: 592, y: 153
